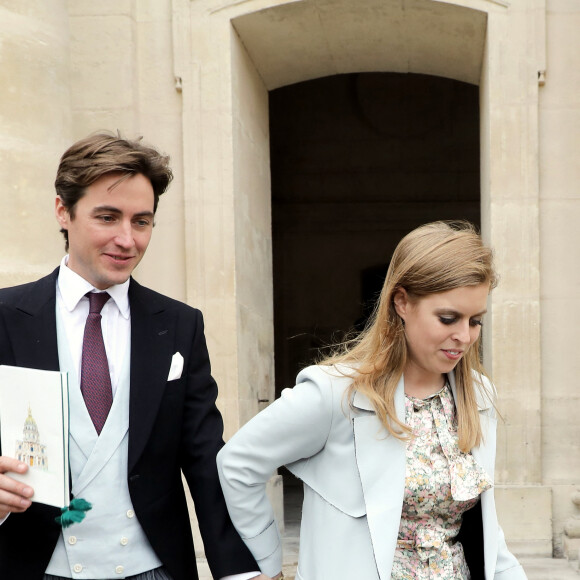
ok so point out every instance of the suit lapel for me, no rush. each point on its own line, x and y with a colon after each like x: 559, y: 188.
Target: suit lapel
x: 381, y: 463
x: 32, y: 326
x: 152, y: 342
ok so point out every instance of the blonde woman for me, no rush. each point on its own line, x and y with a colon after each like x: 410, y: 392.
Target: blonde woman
x: 393, y: 436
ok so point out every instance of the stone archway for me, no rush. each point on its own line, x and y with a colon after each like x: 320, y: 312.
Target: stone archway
x: 299, y: 41
x: 234, y: 53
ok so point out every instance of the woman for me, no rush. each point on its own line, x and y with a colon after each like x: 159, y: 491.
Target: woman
x: 393, y: 437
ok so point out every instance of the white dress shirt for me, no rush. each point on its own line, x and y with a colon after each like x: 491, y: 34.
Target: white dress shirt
x: 73, y: 306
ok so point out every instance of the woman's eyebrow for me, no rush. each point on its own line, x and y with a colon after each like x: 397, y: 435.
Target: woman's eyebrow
x: 457, y: 313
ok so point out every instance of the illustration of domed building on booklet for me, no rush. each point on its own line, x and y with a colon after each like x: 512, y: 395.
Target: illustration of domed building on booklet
x: 30, y: 450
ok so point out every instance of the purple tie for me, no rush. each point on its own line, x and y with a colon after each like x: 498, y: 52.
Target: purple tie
x: 95, y: 377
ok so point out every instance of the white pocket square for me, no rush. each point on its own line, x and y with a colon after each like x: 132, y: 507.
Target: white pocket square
x: 176, y: 367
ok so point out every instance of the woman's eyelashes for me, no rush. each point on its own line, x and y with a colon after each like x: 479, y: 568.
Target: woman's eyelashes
x: 447, y: 320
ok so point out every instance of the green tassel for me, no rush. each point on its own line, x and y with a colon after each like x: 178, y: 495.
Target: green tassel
x: 74, y: 513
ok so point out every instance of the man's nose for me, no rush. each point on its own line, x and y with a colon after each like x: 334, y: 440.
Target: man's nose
x: 124, y: 237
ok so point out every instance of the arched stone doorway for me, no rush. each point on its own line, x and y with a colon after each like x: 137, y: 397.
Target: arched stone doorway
x: 250, y: 48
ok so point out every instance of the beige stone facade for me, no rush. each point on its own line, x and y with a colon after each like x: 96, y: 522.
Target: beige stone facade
x: 194, y: 77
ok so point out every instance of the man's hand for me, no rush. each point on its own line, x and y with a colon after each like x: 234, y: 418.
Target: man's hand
x: 14, y: 495
x: 264, y: 577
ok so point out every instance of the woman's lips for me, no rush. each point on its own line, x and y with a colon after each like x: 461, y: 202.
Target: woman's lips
x: 452, y: 354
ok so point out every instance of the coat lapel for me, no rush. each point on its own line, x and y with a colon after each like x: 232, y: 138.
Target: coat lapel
x: 381, y: 463
x: 32, y: 326
x: 485, y: 456
x: 152, y: 342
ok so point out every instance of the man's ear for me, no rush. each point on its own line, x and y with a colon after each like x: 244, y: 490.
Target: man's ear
x: 61, y: 213
x: 401, y: 301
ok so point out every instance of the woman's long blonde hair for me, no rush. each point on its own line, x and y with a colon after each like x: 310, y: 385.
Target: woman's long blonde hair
x: 433, y: 258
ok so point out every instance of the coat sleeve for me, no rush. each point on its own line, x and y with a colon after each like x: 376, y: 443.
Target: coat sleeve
x: 294, y: 427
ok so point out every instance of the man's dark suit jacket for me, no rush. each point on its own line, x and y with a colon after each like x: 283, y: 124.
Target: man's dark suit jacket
x: 173, y: 426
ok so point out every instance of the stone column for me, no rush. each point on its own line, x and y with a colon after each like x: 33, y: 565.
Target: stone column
x: 227, y: 213
x: 560, y: 255
x: 510, y: 221
x: 34, y: 131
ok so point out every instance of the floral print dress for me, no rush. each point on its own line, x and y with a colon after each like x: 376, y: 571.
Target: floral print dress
x: 442, y: 483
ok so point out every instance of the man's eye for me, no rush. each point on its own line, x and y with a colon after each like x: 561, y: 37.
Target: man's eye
x: 142, y: 223
x: 446, y: 319
x: 106, y: 218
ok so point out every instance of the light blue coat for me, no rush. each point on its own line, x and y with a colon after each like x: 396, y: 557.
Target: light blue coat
x: 354, y: 478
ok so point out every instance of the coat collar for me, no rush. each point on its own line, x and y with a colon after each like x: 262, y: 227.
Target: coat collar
x: 381, y: 464
x: 484, y: 393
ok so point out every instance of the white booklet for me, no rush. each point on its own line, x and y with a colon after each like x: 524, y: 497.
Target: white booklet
x: 34, y: 428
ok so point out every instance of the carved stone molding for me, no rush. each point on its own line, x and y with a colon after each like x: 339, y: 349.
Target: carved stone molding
x: 572, y: 530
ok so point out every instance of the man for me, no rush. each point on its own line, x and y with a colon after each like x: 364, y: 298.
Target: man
x: 142, y: 408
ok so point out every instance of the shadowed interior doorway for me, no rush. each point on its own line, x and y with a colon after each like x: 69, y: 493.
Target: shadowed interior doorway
x: 357, y: 161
